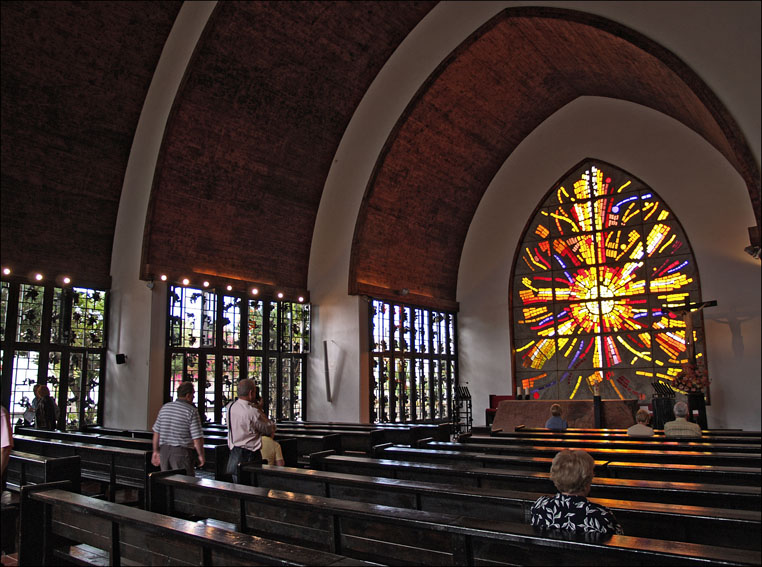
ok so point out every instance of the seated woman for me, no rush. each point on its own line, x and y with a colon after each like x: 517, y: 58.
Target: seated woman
x: 641, y: 429
x: 556, y: 422
x: 569, y: 510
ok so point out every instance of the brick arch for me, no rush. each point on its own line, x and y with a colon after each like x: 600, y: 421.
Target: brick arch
x: 475, y: 109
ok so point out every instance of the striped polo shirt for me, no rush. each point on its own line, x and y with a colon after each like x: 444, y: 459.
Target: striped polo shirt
x: 178, y: 424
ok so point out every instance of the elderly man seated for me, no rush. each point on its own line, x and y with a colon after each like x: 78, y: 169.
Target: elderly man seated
x: 681, y: 427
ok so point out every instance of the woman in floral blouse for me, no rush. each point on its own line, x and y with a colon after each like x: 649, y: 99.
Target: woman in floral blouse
x: 569, y: 510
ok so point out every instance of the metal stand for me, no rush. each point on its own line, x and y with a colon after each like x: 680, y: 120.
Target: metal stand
x: 662, y: 402
x: 462, y: 417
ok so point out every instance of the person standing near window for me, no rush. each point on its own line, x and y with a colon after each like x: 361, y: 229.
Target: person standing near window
x: 45, y: 413
x: 177, y: 433
x: 247, y: 423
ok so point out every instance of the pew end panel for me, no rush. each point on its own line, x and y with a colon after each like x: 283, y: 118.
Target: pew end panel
x: 29, y: 468
x: 32, y: 512
x: 316, y: 459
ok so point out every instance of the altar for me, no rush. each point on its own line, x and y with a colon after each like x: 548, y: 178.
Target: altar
x: 614, y: 414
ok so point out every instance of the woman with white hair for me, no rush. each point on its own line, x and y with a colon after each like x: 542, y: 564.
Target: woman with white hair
x: 641, y: 427
x: 569, y: 510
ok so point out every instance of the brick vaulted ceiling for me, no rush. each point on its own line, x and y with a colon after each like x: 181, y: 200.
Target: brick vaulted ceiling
x: 498, y: 86
x: 74, y: 79
x: 260, y: 114
x: 254, y: 131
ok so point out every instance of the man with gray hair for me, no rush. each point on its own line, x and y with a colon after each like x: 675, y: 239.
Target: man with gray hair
x: 177, y: 433
x: 681, y: 427
x: 246, y: 425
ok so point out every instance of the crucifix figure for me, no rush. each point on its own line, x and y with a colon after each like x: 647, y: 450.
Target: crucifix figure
x: 686, y: 311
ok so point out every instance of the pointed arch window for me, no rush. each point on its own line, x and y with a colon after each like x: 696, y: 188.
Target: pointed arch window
x: 602, y: 267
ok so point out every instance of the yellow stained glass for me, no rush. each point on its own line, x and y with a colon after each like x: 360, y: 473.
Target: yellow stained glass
x: 607, y: 313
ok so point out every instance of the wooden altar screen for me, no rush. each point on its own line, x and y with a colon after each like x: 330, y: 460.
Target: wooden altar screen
x: 578, y: 413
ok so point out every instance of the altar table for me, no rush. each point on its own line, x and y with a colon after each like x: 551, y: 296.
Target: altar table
x: 615, y: 414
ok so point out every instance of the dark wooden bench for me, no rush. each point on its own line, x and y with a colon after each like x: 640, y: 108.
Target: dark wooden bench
x: 697, y: 524
x: 679, y: 493
x: 398, y: 433
x: 61, y: 526
x: 398, y: 536
x: 215, y: 450
x: 306, y: 444
x: 705, y: 432
x: 114, y: 467
x: 620, y: 435
x: 619, y: 442
x: 667, y: 470
x: 602, y: 451
x: 29, y: 468
x: 349, y: 441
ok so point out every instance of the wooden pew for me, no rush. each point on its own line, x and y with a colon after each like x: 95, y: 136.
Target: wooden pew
x: 215, y: 451
x: 704, y: 432
x: 398, y: 536
x: 349, y: 441
x: 306, y: 444
x: 663, y: 469
x: 602, y: 451
x: 697, y: 524
x: 114, y: 467
x: 619, y: 442
x: 619, y: 435
x: 29, y: 468
x: 85, y: 531
x: 397, y: 433
x: 679, y: 493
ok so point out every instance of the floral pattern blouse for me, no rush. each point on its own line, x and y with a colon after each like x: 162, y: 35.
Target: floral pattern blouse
x: 573, y: 513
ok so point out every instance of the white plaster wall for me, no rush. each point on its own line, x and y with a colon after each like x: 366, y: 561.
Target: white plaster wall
x: 719, y: 40
x: 137, y: 317
x: 706, y: 35
x: 696, y: 182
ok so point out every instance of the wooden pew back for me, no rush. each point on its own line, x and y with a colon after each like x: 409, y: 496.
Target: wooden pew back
x: 679, y: 493
x: 695, y: 524
x: 398, y: 536
x: 29, y: 468
x: 126, y: 535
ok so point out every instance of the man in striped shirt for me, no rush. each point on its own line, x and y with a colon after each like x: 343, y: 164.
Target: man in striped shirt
x: 177, y: 433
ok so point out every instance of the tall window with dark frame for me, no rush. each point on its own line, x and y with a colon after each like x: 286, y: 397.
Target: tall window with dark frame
x: 413, y: 360
x: 55, y: 336
x: 216, y: 339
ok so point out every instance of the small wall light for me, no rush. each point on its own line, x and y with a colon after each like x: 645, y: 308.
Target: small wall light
x: 163, y: 277
x: 301, y: 299
x: 67, y: 280
x: 186, y: 281
x: 206, y: 284
x: 38, y: 277
x: 254, y: 291
x: 229, y: 288
x: 6, y: 271
x: 280, y: 295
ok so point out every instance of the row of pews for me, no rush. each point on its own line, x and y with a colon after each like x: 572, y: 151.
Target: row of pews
x: 408, y: 495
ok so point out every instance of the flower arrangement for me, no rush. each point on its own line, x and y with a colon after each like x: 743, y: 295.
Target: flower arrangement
x: 691, y: 379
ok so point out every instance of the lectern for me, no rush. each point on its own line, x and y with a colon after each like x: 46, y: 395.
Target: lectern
x: 662, y: 402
